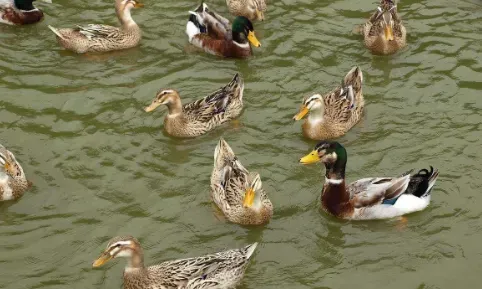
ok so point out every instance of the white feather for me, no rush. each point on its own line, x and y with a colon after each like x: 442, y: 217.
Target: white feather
x: 192, y: 30
x: 7, y: 190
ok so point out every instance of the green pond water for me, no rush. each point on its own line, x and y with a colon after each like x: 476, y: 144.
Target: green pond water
x: 103, y: 167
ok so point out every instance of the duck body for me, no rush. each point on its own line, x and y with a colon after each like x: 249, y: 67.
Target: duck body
x: 199, y: 117
x: 369, y: 198
x: 251, y: 9
x: 214, y: 34
x: 13, y: 182
x: 214, y: 271
x: 237, y: 192
x: 335, y: 113
x: 103, y: 38
x: 384, y: 32
x: 19, y: 12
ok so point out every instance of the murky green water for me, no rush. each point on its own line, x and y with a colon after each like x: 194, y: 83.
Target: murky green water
x: 102, y: 167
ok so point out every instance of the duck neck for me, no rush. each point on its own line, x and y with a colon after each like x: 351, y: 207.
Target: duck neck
x: 316, y: 116
x: 335, y: 172
x: 240, y: 40
x: 125, y: 17
x: 136, y: 262
x: 174, y: 107
x: 25, y: 5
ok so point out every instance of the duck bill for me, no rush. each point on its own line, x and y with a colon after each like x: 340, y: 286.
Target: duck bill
x: 248, y: 198
x: 138, y: 5
x: 260, y: 14
x: 253, y: 40
x: 104, y: 258
x: 310, y: 158
x: 388, y: 32
x: 303, y: 111
x: 151, y: 107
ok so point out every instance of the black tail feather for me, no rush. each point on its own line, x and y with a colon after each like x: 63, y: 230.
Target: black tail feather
x: 420, y: 182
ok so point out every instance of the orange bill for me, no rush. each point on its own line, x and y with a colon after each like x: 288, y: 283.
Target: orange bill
x: 303, y: 111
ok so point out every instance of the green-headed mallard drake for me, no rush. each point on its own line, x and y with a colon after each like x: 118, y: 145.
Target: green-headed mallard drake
x: 198, y: 117
x: 238, y: 193
x: 103, y: 38
x: 12, y: 180
x: 333, y: 114
x: 384, y: 32
x: 214, y: 34
x: 369, y: 198
x: 251, y: 9
x: 20, y: 12
x: 220, y: 270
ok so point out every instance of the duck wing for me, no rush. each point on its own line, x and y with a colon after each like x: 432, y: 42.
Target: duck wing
x: 92, y: 31
x: 372, y: 191
x: 215, y: 104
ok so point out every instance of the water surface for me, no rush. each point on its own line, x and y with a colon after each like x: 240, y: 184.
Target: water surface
x: 103, y: 167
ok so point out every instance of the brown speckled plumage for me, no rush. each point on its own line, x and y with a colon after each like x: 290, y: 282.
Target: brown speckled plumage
x: 221, y: 270
x: 13, y: 182
x: 334, y: 114
x: 229, y: 182
x: 199, y: 117
x: 247, y: 8
x: 373, y: 30
x: 103, y: 38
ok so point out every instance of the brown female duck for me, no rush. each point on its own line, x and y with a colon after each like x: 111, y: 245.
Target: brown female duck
x: 215, y: 271
x: 333, y: 114
x: 12, y: 181
x: 199, y: 117
x: 384, y: 32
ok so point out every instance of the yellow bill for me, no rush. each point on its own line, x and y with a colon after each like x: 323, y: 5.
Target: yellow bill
x: 310, y: 158
x: 252, y: 38
x: 151, y: 107
x: 303, y: 111
x: 249, y: 198
x: 104, y: 258
x: 388, y: 33
x: 138, y: 4
x: 260, y: 14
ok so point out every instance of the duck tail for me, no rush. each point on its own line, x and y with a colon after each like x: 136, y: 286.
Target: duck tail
x: 249, y: 250
x: 421, y: 183
x: 195, y: 24
x: 56, y: 31
x: 236, y: 83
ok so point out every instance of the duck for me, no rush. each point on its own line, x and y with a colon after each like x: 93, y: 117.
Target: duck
x: 219, y: 270
x: 203, y: 115
x: 251, y: 9
x: 214, y: 34
x: 384, y: 32
x: 335, y: 113
x: 13, y: 182
x: 103, y: 38
x: 20, y: 12
x: 237, y: 192
x: 369, y: 198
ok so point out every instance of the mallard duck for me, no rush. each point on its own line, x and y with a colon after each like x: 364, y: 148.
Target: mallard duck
x: 12, y: 181
x: 251, y: 9
x: 102, y: 38
x: 369, y: 198
x: 20, y: 12
x: 220, y: 270
x: 237, y: 192
x: 384, y: 32
x: 213, y: 33
x: 198, y: 117
x: 332, y: 115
